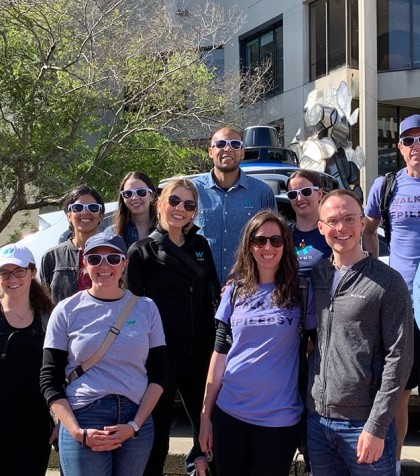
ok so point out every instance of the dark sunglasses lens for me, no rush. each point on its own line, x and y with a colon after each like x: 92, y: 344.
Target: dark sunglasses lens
x: 113, y: 259
x: 127, y: 193
x: 292, y: 195
x: 174, y: 201
x: 306, y: 192
x: 190, y: 205
x: 236, y: 144
x: 220, y: 144
x: 408, y: 141
x: 259, y: 241
x: 276, y: 241
x: 141, y: 192
x: 94, y: 260
x: 93, y: 208
x: 76, y: 207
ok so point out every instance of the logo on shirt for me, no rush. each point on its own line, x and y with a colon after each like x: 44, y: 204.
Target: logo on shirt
x: 199, y: 255
x: 249, y: 204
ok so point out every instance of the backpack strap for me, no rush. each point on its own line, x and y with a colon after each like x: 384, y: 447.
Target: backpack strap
x: 387, y: 189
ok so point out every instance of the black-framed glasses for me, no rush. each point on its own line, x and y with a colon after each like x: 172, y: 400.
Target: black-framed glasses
x: 140, y: 192
x: 113, y: 259
x: 260, y: 241
x: 348, y: 220
x: 189, y: 205
x: 305, y: 192
x: 93, y: 208
x: 17, y: 273
x: 222, y: 143
x: 409, y: 141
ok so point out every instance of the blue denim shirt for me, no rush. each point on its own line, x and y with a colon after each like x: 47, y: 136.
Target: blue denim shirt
x: 222, y: 214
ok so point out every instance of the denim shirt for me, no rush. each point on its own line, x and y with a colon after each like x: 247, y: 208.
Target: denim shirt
x: 223, y: 214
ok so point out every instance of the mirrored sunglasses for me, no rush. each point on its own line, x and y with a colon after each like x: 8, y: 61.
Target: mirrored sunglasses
x: 140, y: 192
x: 222, y: 143
x: 305, y: 192
x: 17, y: 273
x: 90, y: 207
x: 260, y: 241
x: 113, y: 259
x: 189, y: 205
x: 409, y: 141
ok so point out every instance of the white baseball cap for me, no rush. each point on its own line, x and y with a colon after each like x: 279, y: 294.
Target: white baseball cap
x: 16, y: 254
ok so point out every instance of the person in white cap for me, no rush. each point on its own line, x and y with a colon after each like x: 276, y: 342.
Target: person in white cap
x: 105, y: 411
x: 24, y: 311
x: 403, y: 215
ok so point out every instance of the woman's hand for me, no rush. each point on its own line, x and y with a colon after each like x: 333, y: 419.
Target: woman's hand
x: 99, y: 440
x: 121, y: 431
x: 206, y: 434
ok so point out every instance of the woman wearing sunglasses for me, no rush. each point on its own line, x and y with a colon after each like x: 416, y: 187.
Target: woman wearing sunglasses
x: 175, y: 267
x: 24, y: 311
x: 62, y: 269
x: 252, y: 407
x: 304, y: 192
x: 106, y: 427
x: 136, y: 214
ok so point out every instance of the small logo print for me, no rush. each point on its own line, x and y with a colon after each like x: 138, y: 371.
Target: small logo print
x: 199, y: 255
x: 249, y: 204
x: 130, y: 322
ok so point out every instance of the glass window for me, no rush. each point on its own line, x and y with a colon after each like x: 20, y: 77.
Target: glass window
x: 264, y: 51
x: 318, y: 38
x: 336, y: 34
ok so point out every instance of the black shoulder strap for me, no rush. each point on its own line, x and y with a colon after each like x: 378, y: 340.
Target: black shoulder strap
x: 178, y: 252
x: 303, y: 302
x: 387, y: 188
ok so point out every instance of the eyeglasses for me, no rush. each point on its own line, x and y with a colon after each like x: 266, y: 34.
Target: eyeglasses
x: 409, y: 141
x: 348, y: 220
x: 90, y: 207
x: 189, y: 205
x: 17, y: 273
x: 305, y: 192
x: 113, y: 259
x: 140, y: 192
x: 260, y: 241
x: 222, y: 143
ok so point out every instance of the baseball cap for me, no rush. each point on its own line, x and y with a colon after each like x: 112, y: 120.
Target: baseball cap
x: 16, y: 254
x: 410, y: 122
x: 105, y: 239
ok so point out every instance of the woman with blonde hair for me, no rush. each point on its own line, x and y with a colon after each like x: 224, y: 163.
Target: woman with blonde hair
x: 174, y: 266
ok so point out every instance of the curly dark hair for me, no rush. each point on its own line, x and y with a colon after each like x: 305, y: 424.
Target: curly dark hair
x: 122, y: 216
x: 245, y: 269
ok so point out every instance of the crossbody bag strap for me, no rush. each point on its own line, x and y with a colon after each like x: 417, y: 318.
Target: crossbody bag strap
x: 109, y: 339
x: 178, y: 252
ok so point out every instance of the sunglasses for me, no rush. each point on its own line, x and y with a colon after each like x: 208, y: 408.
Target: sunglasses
x: 349, y: 220
x: 409, y: 140
x: 189, y: 205
x: 305, y: 192
x: 222, y: 143
x: 17, y: 273
x: 140, y: 192
x: 113, y: 259
x: 90, y: 207
x: 260, y: 241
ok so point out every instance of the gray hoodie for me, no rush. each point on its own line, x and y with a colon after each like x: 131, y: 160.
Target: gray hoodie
x: 364, y: 349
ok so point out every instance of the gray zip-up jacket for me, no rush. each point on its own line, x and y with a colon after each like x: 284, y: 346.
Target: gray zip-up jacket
x: 364, y: 349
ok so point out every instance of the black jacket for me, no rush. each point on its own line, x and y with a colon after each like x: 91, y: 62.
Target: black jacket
x: 186, y: 301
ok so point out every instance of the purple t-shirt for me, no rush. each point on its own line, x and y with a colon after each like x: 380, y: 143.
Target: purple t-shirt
x: 260, y: 382
x: 404, y: 213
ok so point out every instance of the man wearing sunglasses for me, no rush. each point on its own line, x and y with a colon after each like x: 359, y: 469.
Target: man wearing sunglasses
x: 404, y: 256
x: 228, y: 198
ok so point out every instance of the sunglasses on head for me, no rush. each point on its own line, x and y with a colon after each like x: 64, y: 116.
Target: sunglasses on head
x: 259, y: 241
x: 409, y: 141
x: 189, y: 205
x: 90, y: 207
x: 305, y: 192
x: 17, y: 273
x: 140, y: 192
x: 113, y: 259
x: 222, y: 143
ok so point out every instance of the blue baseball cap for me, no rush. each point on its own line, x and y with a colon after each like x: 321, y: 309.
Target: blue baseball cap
x: 410, y: 122
x: 105, y: 239
x: 16, y: 254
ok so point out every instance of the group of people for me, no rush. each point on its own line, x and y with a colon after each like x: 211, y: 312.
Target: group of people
x: 140, y: 315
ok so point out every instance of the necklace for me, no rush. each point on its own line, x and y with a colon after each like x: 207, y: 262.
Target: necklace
x: 21, y: 317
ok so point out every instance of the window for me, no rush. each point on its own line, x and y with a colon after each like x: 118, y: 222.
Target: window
x: 262, y: 58
x: 398, y: 34
x: 333, y: 35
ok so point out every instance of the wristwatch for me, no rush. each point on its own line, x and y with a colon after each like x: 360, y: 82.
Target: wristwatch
x: 134, y: 426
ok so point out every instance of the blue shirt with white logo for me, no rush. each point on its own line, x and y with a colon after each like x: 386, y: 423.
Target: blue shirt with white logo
x: 223, y: 214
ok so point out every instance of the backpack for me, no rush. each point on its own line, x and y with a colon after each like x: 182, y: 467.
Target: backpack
x: 387, y: 188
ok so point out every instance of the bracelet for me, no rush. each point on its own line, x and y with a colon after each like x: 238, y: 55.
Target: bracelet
x: 84, y: 438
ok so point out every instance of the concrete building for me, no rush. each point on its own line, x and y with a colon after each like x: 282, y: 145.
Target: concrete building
x: 373, y: 45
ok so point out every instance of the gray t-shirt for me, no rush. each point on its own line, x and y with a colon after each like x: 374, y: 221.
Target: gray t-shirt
x: 79, y: 324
